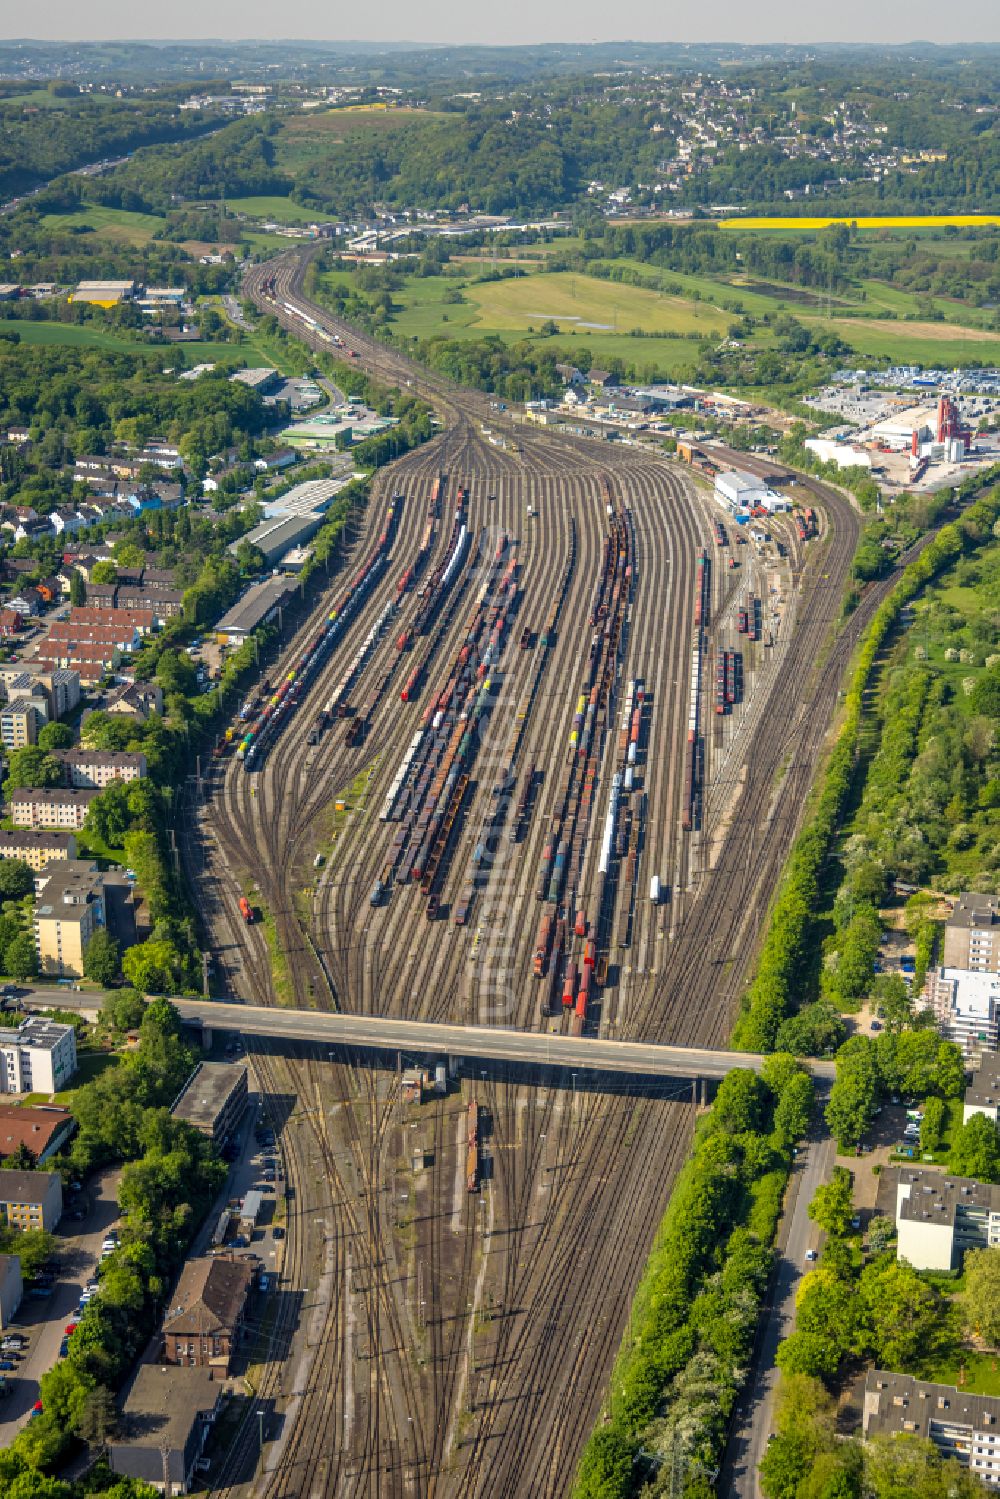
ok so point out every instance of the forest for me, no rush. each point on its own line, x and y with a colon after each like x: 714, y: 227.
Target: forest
x: 37, y: 144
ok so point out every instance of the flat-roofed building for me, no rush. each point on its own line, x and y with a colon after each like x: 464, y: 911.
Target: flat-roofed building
x: 21, y: 720
x: 60, y: 688
x: 167, y: 1416
x: 38, y: 1056
x: 966, y: 1006
x: 11, y: 1289
x: 30, y: 1199
x: 740, y: 492
x: 103, y: 293
x: 972, y: 934
x: 275, y: 538
x: 37, y: 847
x: 939, y: 1216
x: 261, y: 379
x: 961, y: 1426
x: 69, y: 908
x: 982, y: 1096
x: 214, y: 1099
x: 50, y: 807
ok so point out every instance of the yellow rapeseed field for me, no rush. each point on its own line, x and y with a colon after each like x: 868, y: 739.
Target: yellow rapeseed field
x: 908, y: 221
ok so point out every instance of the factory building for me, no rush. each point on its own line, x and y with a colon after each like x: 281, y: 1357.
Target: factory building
x: 740, y: 492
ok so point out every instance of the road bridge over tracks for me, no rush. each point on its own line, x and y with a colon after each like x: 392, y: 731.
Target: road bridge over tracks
x: 474, y: 1042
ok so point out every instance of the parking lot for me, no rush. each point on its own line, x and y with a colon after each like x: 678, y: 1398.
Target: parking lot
x: 44, y: 1321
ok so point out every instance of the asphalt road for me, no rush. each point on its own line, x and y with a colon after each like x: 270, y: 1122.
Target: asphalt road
x: 44, y: 1322
x: 488, y: 1043
x: 796, y: 1234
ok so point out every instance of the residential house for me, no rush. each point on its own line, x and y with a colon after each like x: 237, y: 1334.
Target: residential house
x: 604, y: 379
x: 27, y: 602
x: 135, y: 700
x: 30, y: 1199
x: 569, y: 374
x: 277, y: 461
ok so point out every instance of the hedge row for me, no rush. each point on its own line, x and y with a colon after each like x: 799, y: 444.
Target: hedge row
x: 695, y: 1312
x: 788, y: 947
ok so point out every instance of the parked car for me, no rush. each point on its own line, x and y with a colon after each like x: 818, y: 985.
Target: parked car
x: 278, y: 1232
x: 64, y: 1348
x: 70, y: 1328
x: 13, y: 1340
x: 810, y: 1254
x: 7, y: 1364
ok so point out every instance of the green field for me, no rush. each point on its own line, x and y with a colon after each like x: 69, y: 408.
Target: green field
x: 279, y: 210
x: 90, y: 335
x: 604, y: 313
x: 111, y: 223
x: 587, y: 305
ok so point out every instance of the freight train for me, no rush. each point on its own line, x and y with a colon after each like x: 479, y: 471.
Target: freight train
x: 284, y: 699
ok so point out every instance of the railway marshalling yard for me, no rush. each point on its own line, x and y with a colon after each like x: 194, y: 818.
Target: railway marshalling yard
x: 429, y: 1340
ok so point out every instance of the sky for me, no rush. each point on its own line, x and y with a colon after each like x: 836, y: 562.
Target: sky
x: 514, y: 21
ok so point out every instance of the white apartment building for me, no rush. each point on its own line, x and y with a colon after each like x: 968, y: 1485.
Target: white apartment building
x: 982, y: 1096
x: 939, y: 1217
x: 966, y: 1006
x: 38, y: 1057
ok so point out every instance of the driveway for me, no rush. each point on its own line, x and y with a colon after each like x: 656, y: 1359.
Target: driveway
x: 78, y: 1252
x: 752, y: 1421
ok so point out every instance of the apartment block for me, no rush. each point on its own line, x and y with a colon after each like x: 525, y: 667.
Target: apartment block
x: 37, y: 848
x: 966, y: 1006
x: 939, y: 1217
x: 98, y: 768
x: 972, y: 934
x: 30, y: 1199
x: 982, y: 1096
x: 50, y: 807
x: 961, y: 1426
x: 69, y: 909
x: 39, y: 1056
x: 21, y: 720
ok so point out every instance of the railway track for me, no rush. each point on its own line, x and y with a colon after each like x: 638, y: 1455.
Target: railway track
x: 461, y: 1344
